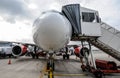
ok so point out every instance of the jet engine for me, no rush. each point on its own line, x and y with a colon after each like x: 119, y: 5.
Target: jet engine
x: 81, y: 52
x: 19, y: 50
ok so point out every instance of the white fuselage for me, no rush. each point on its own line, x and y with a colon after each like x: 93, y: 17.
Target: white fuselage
x: 52, y: 31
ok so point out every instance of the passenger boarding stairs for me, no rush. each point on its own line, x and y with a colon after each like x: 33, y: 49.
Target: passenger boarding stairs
x: 109, y: 42
x: 92, y: 30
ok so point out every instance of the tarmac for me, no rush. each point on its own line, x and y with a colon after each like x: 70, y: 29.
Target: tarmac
x: 26, y: 67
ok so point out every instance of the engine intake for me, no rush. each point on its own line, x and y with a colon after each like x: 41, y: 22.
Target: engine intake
x: 16, y: 51
x: 84, y: 51
x: 81, y: 52
x: 19, y: 50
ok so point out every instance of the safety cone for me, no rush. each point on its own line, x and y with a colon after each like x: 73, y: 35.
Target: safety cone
x: 9, y: 62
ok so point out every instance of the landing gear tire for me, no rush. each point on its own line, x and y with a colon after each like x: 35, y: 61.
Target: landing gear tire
x: 9, y: 56
x: 66, y: 56
x: 98, y: 74
x: 51, y: 65
x: 48, y: 65
x: 37, y: 57
x: 33, y: 56
x: 83, y: 68
x: 63, y: 56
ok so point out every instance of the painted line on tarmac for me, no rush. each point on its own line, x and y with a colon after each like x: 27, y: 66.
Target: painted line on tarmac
x: 43, y: 71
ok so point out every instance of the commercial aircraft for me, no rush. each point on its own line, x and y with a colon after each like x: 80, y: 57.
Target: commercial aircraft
x: 53, y: 30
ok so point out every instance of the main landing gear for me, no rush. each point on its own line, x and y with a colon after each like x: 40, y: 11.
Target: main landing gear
x: 66, y: 55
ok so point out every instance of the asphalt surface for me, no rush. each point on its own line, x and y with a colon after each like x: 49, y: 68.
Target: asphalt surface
x: 26, y: 67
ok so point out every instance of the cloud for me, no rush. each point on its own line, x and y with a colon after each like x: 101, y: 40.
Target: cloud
x: 14, y: 10
x: 26, y: 11
x: 15, y: 32
x: 17, y: 10
x: 109, y: 10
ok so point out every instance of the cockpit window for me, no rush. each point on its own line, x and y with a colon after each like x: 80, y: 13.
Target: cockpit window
x: 89, y: 17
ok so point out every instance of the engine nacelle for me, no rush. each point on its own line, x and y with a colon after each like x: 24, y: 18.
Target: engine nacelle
x: 19, y: 50
x: 81, y: 52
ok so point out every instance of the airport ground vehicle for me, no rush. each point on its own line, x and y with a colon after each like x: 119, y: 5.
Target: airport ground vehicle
x: 5, y: 51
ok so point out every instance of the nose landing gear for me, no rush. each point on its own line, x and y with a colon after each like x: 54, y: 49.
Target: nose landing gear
x: 50, y: 65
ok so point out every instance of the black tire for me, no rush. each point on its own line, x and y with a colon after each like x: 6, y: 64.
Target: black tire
x: 14, y: 57
x: 68, y: 56
x: 98, y: 74
x: 48, y: 65
x: 37, y: 57
x: 33, y: 55
x: 63, y: 56
x: 4, y: 55
x: 83, y: 68
x: 53, y: 66
x: 9, y: 56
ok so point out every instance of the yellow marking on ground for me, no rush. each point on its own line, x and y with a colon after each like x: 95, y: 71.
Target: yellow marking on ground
x: 43, y: 72
x: 69, y: 74
x: 51, y: 73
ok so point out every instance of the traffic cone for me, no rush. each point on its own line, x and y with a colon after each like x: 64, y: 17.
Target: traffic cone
x: 9, y: 62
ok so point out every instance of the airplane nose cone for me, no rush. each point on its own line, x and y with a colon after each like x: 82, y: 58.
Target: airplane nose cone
x: 54, y: 31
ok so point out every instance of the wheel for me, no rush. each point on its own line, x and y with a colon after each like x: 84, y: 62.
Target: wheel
x: 9, y: 56
x: 50, y: 65
x: 67, y: 56
x: 33, y: 55
x: 37, y: 57
x: 83, y: 68
x: 53, y: 66
x: 14, y: 57
x: 98, y: 74
x: 4, y: 55
x: 63, y: 56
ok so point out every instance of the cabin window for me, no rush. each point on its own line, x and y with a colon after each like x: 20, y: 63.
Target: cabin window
x: 88, y: 17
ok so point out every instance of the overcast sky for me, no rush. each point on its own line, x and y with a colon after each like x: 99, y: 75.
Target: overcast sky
x: 17, y: 16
